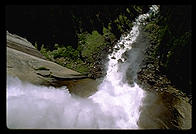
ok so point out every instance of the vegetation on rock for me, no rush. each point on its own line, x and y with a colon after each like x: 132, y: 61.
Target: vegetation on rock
x: 94, y: 31
x: 169, y: 51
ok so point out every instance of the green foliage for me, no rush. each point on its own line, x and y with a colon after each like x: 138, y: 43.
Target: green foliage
x: 94, y: 43
x: 120, y: 28
x: 44, y: 51
x: 108, y: 34
x: 65, y: 52
x: 137, y: 8
x: 121, y: 19
x: 79, y: 66
x: 82, y: 37
x: 82, y: 40
x: 56, y: 46
x: 127, y: 9
x: 123, y: 23
x: 65, y: 56
x: 60, y: 52
x: 110, y: 26
x: 152, y: 30
x: 150, y: 26
x: 36, y: 46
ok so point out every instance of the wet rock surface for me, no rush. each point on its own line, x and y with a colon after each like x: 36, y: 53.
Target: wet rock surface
x: 79, y: 87
x: 165, y: 111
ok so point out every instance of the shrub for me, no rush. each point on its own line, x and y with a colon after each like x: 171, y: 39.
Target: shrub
x: 36, y: 46
x: 93, y: 44
x: 44, y: 51
x: 108, y: 34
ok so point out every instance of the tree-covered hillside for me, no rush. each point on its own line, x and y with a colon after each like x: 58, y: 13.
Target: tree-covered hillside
x: 169, y: 52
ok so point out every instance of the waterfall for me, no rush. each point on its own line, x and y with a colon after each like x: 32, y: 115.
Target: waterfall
x: 116, y: 104
x: 117, y: 95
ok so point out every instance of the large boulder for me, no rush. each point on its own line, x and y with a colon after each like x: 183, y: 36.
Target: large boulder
x: 21, y: 44
x: 36, y: 70
x: 28, y: 64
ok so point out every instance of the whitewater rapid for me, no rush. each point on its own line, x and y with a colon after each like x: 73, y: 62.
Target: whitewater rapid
x: 116, y: 104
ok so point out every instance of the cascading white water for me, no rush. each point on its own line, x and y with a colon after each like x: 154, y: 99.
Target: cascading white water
x: 117, y: 94
x: 116, y: 104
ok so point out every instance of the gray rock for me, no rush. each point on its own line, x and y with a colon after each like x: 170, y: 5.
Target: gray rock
x: 31, y: 67
x: 19, y: 40
x: 44, y: 73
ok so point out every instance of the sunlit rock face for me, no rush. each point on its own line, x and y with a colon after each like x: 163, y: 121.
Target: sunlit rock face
x: 27, y: 63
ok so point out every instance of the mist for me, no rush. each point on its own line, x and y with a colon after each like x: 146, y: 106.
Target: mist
x: 32, y: 107
x: 134, y: 58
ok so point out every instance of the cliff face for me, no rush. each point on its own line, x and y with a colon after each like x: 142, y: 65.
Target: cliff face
x: 27, y: 63
x: 21, y: 44
x: 166, y: 69
x: 175, y: 46
x: 169, y: 52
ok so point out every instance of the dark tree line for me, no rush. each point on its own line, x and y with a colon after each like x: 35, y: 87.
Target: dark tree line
x: 175, y: 46
x: 60, y: 24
